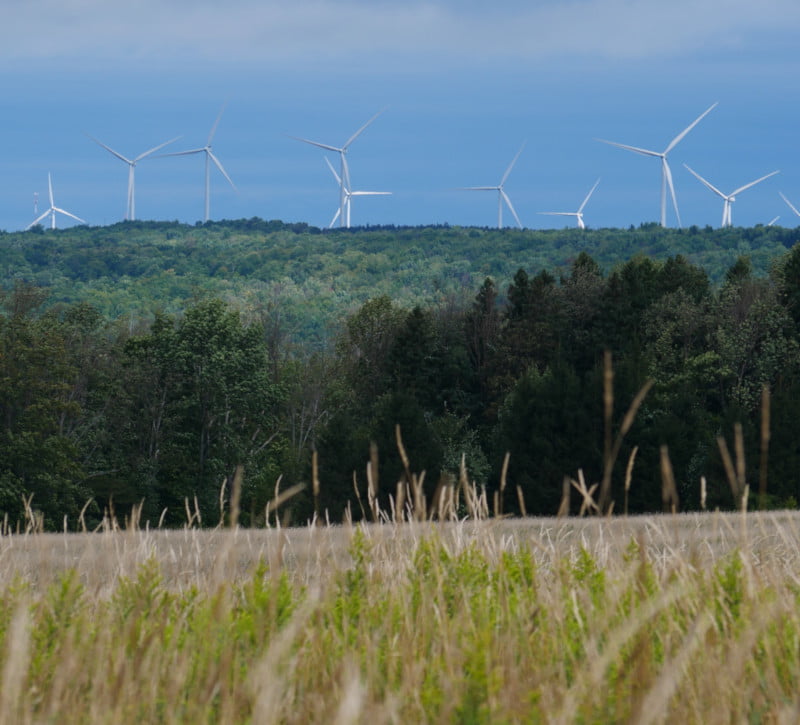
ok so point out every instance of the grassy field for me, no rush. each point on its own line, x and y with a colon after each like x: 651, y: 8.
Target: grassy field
x: 684, y: 618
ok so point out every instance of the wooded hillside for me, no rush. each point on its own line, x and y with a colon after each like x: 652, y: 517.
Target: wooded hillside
x: 134, y: 269
x: 144, y: 362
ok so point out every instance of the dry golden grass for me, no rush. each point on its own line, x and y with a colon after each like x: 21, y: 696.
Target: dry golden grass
x: 657, y: 619
x: 207, y: 557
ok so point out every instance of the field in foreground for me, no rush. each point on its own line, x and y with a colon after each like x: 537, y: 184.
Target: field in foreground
x: 692, y: 618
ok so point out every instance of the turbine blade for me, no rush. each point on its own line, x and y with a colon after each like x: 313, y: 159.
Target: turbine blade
x: 181, y: 153
x: 335, y: 217
x: 155, y: 148
x: 219, y: 166
x: 635, y: 149
x: 479, y: 188
x: 511, y: 207
x: 38, y: 219
x: 683, y: 133
x: 370, y: 193
x: 325, y: 146
x: 361, y: 130
x: 791, y: 206
x: 50, y: 188
x: 753, y: 183
x: 707, y: 184
x: 110, y: 150
x: 588, y: 196
x: 66, y: 213
x: 333, y: 171
x: 345, y: 172
x: 511, y: 165
x: 216, y: 123
x: 559, y: 213
x: 668, y: 176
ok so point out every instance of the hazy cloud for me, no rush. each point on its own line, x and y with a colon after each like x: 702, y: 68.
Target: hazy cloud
x: 416, y: 31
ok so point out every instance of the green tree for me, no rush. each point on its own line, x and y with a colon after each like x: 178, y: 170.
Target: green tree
x: 38, y: 412
x: 211, y: 405
x: 365, y: 347
x: 551, y: 426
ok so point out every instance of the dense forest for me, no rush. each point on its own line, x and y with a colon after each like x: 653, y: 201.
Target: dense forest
x: 143, y: 363
x: 134, y: 269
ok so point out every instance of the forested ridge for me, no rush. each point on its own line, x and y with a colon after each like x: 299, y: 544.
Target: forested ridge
x: 144, y: 362
x: 134, y: 269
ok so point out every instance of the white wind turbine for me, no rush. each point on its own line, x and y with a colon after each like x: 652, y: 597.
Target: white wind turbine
x: 348, y: 197
x: 789, y: 203
x: 501, y: 193
x: 728, y: 199
x: 344, y: 176
x: 209, y: 158
x: 577, y: 214
x: 130, y: 209
x: 666, y: 174
x: 52, y: 210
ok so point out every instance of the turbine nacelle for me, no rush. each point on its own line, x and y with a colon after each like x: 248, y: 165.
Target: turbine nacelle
x: 577, y: 214
x: 210, y: 158
x: 666, y: 173
x: 348, y: 197
x: 728, y: 199
x: 501, y: 193
x: 130, y: 209
x: 51, y: 212
x: 344, y: 176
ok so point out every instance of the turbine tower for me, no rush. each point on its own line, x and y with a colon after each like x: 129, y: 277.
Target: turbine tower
x: 344, y: 175
x: 666, y: 174
x: 210, y: 157
x: 789, y: 203
x: 728, y: 199
x: 501, y: 193
x: 52, y: 210
x: 130, y: 209
x: 348, y: 197
x: 577, y: 214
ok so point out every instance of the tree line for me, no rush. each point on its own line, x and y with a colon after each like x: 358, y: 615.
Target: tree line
x: 100, y: 414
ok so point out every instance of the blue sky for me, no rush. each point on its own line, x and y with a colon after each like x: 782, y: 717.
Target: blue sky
x: 464, y: 84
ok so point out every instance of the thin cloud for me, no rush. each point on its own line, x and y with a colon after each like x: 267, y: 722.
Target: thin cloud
x: 154, y: 31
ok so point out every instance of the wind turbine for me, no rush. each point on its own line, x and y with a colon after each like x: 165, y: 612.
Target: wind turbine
x: 348, y: 197
x: 501, y: 193
x: 728, y: 199
x: 209, y: 158
x: 666, y: 174
x: 52, y: 210
x: 344, y: 176
x: 791, y: 206
x: 577, y: 214
x: 130, y: 209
